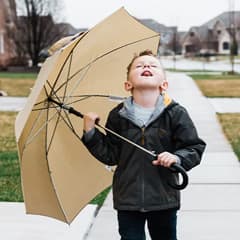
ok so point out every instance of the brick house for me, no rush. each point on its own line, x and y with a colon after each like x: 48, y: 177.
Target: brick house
x: 7, y: 26
x: 213, y: 37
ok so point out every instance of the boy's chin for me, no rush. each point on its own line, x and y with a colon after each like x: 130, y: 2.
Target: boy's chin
x: 152, y: 87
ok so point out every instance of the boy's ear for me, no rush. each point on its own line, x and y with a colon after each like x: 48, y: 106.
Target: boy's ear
x: 128, y: 86
x: 164, y: 85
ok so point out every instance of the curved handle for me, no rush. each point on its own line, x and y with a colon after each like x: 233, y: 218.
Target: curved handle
x: 175, y: 167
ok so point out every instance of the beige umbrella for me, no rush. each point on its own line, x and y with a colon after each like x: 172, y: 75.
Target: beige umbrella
x: 59, y: 176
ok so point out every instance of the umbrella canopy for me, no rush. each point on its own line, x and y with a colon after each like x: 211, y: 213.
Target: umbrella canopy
x: 59, y: 176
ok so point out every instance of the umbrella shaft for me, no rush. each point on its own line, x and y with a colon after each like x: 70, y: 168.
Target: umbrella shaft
x: 128, y: 141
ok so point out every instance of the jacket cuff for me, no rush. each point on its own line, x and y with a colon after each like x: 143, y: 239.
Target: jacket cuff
x: 178, y: 159
x: 87, y: 136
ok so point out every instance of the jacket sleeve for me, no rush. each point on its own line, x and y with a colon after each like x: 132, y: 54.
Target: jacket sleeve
x: 104, y: 147
x: 188, y: 146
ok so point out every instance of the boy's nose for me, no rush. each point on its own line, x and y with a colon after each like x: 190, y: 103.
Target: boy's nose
x: 146, y: 65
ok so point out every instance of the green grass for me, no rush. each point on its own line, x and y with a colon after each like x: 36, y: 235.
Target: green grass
x: 17, y: 84
x: 218, y: 85
x: 214, y: 77
x: 18, y: 75
x: 191, y: 70
x: 7, y: 136
x: 10, y: 182
x: 230, y: 123
x: 99, y: 199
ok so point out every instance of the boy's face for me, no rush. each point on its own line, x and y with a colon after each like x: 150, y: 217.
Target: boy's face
x: 146, y: 73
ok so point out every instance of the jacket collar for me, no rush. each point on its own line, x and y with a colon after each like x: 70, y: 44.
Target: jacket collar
x: 127, y: 111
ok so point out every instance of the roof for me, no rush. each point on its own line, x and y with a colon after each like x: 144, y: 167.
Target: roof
x: 227, y: 18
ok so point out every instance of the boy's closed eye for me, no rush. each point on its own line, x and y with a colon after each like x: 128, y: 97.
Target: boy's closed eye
x: 143, y: 65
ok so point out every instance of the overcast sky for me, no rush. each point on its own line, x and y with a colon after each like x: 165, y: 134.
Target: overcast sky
x: 181, y: 13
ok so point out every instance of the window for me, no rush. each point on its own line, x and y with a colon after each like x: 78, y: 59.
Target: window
x: 225, y: 45
x: 1, y: 43
x: 219, y: 32
x: 192, y: 34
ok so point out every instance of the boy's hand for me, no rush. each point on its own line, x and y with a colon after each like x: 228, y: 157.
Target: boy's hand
x: 165, y: 159
x: 89, y: 120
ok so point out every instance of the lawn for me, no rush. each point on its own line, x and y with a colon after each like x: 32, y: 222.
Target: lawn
x: 231, y: 127
x: 17, y: 84
x: 223, y: 86
x: 218, y: 85
x: 10, y: 183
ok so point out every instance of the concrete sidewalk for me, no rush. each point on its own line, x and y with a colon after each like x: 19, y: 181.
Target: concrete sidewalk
x: 15, y: 224
x: 210, y: 204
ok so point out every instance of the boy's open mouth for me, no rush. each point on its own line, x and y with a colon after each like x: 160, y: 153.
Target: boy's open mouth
x: 146, y: 73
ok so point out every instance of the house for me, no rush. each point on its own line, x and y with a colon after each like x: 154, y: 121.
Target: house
x: 7, y: 26
x: 214, y: 37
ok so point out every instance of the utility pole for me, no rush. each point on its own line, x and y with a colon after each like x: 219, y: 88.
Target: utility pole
x: 232, y: 30
x: 174, y: 46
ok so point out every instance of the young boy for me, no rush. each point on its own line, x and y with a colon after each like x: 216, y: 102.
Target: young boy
x: 140, y: 183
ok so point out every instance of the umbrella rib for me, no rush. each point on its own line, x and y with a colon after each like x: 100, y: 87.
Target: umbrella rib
x: 43, y: 101
x: 52, y: 88
x: 75, y: 85
x: 43, y: 108
x: 68, y: 123
x: 49, y: 170
x: 66, y: 85
x: 83, y: 97
x: 78, y: 82
x: 54, y: 131
x: 31, y: 138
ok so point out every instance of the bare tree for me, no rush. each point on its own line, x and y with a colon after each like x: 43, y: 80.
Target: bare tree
x: 36, y: 28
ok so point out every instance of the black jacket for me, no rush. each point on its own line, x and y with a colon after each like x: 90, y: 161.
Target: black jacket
x: 137, y: 183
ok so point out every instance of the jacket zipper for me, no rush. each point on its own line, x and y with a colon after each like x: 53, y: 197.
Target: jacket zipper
x: 143, y: 136
x: 143, y: 173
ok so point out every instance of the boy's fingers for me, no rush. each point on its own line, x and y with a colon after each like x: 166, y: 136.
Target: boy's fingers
x: 165, y: 159
x: 97, y: 120
x: 91, y: 116
x: 90, y: 119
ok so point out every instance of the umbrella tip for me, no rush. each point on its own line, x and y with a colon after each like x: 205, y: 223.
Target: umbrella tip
x: 49, y: 99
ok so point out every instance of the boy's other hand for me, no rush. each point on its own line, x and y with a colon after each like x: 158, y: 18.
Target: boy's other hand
x: 165, y: 159
x: 89, y: 120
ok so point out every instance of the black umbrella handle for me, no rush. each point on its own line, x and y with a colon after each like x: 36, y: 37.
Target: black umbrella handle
x: 75, y: 112
x: 177, y: 168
